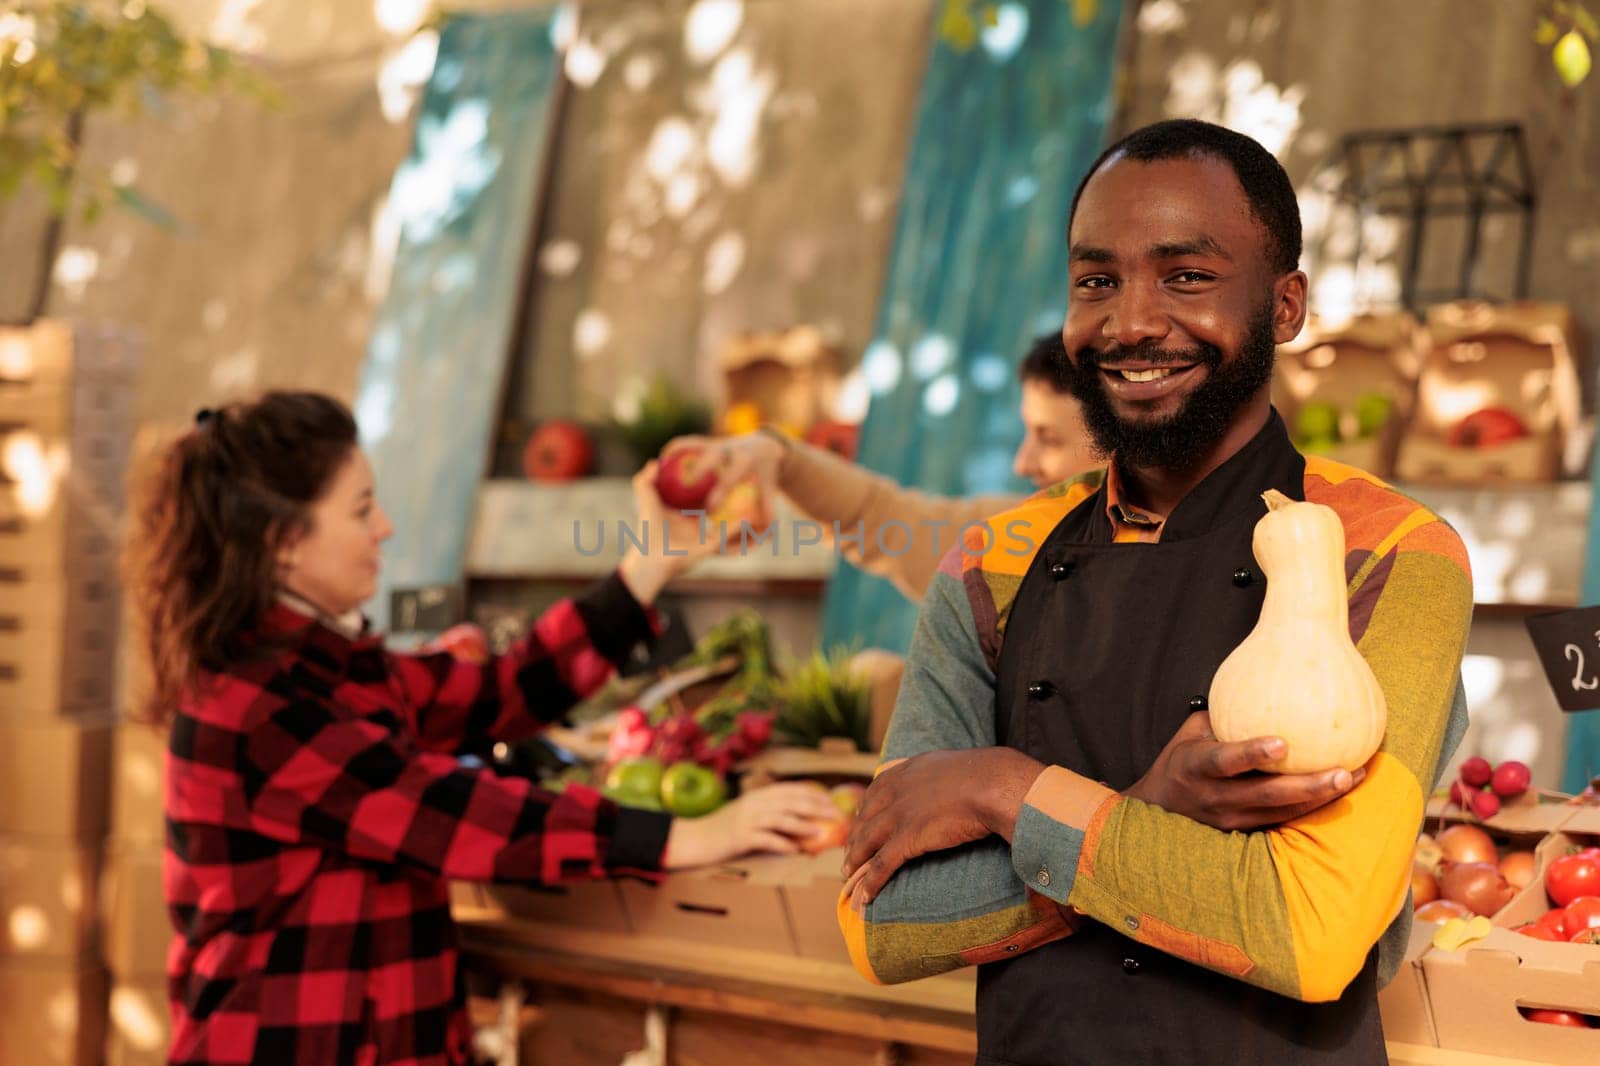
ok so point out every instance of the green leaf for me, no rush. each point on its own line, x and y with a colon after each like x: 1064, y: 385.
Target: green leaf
x: 1545, y: 33
x: 146, y: 208
x: 1586, y: 22
x: 1572, y: 58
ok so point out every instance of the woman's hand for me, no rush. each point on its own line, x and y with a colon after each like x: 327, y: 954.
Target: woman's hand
x: 753, y: 456
x: 766, y: 819
x: 673, y: 541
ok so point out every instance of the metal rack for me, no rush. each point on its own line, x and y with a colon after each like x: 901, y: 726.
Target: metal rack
x: 1428, y: 173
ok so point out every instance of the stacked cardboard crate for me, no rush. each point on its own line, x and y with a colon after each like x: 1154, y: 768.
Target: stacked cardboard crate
x: 1472, y: 1000
x: 65, y: 421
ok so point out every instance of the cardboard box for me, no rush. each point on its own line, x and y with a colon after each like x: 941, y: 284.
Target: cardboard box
x: 51, y: 1014
x: 55, y: 778
x: 811, y: 895
x: 1520, y: 357
x: 47, y: 898
x: 737, y: 904
x: 1475, y: 993
x: 595, y: 905
x: 139, y: 1024
x: 58, y: 642
x: 1341, y: 364
x: 1403, y: 1002
x: 137, y: 799
x: 790, y: 378
x: 136, y: 929
x: 55, y: 352
x: 1534, y: 813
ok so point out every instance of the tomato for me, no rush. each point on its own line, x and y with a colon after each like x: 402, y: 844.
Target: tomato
x: 1572, y: 876
x: 1539, y: 932
x: 1555, y: 1017
x: 1555, y: 921
x: 1582, y: 913
x: 1586, y: 936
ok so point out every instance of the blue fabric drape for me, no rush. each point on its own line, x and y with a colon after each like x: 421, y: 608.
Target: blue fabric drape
x: 1004, y: 132
x: 429, y: 389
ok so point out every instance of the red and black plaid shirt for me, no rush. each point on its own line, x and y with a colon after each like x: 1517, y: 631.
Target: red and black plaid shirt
x: 315, y: 806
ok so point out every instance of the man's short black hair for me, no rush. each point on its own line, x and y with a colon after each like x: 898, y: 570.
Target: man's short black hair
x: 1266, y: 185
x: 1046, y: 363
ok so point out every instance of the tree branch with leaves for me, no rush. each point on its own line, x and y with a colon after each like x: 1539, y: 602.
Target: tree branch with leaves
x: 62, y: 61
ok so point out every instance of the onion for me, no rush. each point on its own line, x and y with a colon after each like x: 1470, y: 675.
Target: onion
x: 1518, y: 868
x: 1424, y: 889
x: 1441, y: 910
x: 1477, y: 886
x: 1427, y: 853
x: 1467, y: 843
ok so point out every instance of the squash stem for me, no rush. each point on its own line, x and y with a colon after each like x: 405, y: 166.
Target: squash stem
x: 1276, y: 501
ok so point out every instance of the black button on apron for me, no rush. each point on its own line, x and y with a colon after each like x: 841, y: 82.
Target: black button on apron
x: 1130, y: 965
x: 1243, y: 576
x: 1041, y: 690
x: 1199, y: 703
x: 1059, y: 571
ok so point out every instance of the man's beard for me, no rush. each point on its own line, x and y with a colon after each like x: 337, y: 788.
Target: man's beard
x: 1186, y: 436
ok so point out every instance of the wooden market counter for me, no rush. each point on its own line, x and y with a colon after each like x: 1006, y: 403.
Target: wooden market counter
x: 593, y: 992
x: 593, y: 989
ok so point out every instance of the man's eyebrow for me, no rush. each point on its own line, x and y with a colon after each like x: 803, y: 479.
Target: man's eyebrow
x: 1206, y: 246
x: 1084, y: 253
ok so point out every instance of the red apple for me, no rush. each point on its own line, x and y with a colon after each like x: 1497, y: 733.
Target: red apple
x: 558, y: 451
x: 825, y: 835
x: 1554, y: 1017
x: 840, y: 438
x: 685, y: 478
x: 1486, y: 428
x: 466, y: 642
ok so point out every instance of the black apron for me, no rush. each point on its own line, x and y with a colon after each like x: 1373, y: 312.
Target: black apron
x: 1108, y: 648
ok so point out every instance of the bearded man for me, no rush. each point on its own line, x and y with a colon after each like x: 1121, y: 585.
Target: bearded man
x: 1053, y: 807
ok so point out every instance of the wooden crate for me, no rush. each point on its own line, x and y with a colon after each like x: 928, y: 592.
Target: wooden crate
x: 58, y: 642
x: 58, y: 351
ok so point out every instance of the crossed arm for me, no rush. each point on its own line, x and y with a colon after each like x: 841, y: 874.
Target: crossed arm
x: 981, y: 852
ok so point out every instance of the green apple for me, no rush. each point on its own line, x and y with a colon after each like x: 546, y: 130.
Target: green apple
x: 690, y: 790
x: 1317, y: 421
x: 636, y: 782
x: 1372, y: 412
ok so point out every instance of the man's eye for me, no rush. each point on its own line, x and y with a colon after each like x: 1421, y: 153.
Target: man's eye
x: 1096, y: 281
x: 1193, y: 276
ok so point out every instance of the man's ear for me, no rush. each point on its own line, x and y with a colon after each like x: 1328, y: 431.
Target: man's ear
x: 1289, y: 306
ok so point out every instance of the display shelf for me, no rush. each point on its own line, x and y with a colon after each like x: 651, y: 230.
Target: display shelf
x: 1526, y: 542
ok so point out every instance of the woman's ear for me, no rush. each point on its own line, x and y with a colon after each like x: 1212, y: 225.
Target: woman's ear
x: 287, y: 553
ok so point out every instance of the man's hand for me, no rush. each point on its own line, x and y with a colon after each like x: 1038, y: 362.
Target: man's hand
x: 1216, y: 784
x: 931, y: 802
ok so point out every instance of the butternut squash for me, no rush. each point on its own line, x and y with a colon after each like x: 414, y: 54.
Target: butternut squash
x: 1298, y: 675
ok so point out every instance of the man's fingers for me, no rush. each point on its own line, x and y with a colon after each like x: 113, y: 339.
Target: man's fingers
x: 1242, y: 756
x: 867, y: 837
x: 1285, y: 793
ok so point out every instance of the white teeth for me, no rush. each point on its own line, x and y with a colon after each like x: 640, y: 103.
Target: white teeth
x: 1155, y: 374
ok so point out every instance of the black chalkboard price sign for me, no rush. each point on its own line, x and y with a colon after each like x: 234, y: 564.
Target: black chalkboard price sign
x: 1568, y: 643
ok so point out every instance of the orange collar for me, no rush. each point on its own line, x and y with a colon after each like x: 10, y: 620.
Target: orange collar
x: 1129, y: 523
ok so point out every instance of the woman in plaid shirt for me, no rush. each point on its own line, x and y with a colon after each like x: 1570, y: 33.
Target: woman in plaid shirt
x: 315, y: 800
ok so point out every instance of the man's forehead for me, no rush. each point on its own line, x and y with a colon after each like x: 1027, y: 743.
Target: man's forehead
x: 1183, y: 199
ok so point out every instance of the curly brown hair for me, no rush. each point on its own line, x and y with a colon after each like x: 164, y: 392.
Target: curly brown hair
x: 207, y: 522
